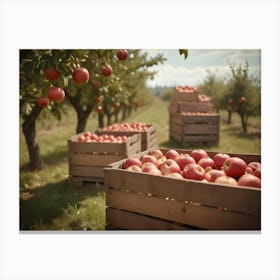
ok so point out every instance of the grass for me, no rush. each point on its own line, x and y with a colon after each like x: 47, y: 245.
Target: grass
x: 47, y: 202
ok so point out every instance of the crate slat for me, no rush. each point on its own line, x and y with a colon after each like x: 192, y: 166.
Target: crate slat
x: 181, y: 212
x: 236, y: 198
x: 200, y: 129
x: 117, y: 218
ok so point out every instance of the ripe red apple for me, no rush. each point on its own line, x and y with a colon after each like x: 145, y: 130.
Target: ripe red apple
x: 226, y: 180
x: 80, y: 75
x: 184, y: 160
x: 43, y: 101
x: 234, y: 167
x: 172, y: 154
x: 169, y: 166
x: 51, y: 73
x: 249, y: 180
x: 254, y: 165
x: 117, y: 105
x: 258, y: 172
x: 194, y: 171
x: 157, y: 153
x: 106, y: 70
x: 122, y: 54
x: 99, y: 109
x: 175, y: 175
x: 99, y: 99
x: 219, y: 159
x: 151, y: 170
x: 206, y: 162
x: 149, y: 158
x: 249, y: 170
x: 134, y: 168
x: 56, y: 94
x: 242, y: 100
x: 131, y: 161
x: 81, y: 138
x: 198, y: 154
x: 213, y: 174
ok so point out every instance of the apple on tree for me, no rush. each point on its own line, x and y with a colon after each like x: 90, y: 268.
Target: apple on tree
x: 80, y: 75
x: 51, y: 73
x: 106, y: 70
x: 122, y: 54
x: 43, y: 101
x: 56, y: 94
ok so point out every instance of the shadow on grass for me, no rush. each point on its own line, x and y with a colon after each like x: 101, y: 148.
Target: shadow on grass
x: 239, y: 133
x: 52, y: 158
x: 42, y: 205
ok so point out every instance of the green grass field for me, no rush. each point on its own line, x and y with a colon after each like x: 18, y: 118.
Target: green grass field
x: 47, y: 202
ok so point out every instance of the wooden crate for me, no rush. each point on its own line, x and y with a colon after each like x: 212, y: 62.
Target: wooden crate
x: 193, y: 130
x: 184, y: 96
x: 148, y: 137
x: 141, y: 201
x: 181, y: 107
x: 87, y: 160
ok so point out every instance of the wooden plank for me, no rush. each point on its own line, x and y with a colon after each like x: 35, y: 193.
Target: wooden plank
x: 200, y: 129
x: 175, y: 136
x: 176, y: 118
x: 176, y: 128
x: 77, y: 181
x: 195, y: 107
x: 94, y: 159
x: 199, y: 138
x: 87, y: 171
x: 240, y: 199
x: 213, y: 119
x: 181, y: 212
x: 117, y: 218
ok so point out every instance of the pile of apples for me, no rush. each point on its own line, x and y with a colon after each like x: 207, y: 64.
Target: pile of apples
x: 106, y: 138
x: 203, y: 97
x: 134, y: 126
x: 198, y: 165
x: 186, y: 89
x: 197, y: 113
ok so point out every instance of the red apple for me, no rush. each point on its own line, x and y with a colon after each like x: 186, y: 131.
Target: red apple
x: 80, y: 75
x: 99, y: 109
x: 194, y: 171
x: 156, y: 153
x: 206, y: 162
x: 43, y: 101
x: 131, y: 161
x: 169, y: 166
x: 234, y: 167
x: 249, y: 180
x: 106, y: 70
x: 148, y: 164
x: 161, y: 160
x: 117, y: 105
x: 213, y: 174
x: 219, y: 159
x: 258, y: 172
x: 134, y: 168
x: 122, y: 54
x: 249, y: 170
x: 56, y: 94
x: 184, y: 160
x: 242, y: 100
x: 51, y: 73
x: 226, y: 180
x: 149, y: 158
x: 172, y: 154
x: 198, y: 154
x: 254, y: 165
x: 151, y: 170
x: 175, y: 175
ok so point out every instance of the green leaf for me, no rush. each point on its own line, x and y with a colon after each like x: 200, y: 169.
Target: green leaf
x: 185, y: 52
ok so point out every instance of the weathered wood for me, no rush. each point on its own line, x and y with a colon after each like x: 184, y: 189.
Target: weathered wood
x: 240, y: 199
x: 200, y: 129
x: 181, y: 212
x: 117, y: 218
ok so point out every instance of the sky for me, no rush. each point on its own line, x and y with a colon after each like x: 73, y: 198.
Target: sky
x: 193, y: 70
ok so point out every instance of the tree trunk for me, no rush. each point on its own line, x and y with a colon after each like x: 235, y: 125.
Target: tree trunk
x: 129, y: 111
x: 100, y: 121
x: 229, y: 117
x: 124, y: 114
x: 244, y: 123
x: 82, y: 122
x: 109, y: 119
x: 116, y: 115
x: 29, y: 131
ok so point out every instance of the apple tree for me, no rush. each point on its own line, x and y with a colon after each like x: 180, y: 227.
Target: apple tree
x: 244, y: 94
